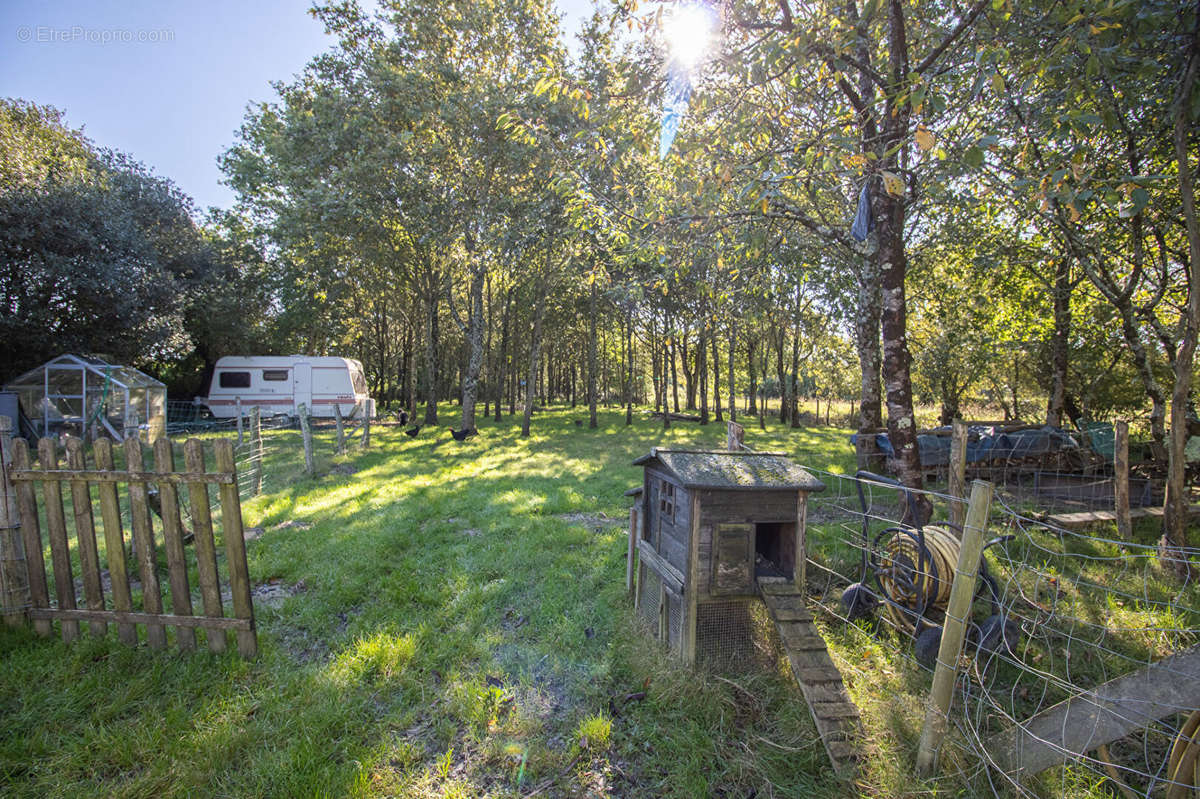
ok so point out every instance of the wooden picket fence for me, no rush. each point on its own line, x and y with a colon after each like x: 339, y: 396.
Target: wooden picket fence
x: 118, y: 607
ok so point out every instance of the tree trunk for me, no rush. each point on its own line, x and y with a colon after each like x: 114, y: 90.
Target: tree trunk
x: 688, y: 371
x: 474, y: 331
x: 716, y: 353
x: 1059, y: 341
x: 732, y: 382
x: 1177, y: 502
x: 751, y: 362
x: 535, y: 348
x: 780, y: 337
x: 592, y: 311
x: 629, y: 366
x: 794, y: 408
x: 866, y: 341
x: 502, y: 370
x: 674, y: 370
x: 702, y: 373
x: 431, y: 375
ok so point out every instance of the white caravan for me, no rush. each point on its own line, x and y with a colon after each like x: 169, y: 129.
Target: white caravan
x: 278, y: 384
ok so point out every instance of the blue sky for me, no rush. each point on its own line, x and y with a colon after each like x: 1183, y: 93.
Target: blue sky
x: 166, y: 81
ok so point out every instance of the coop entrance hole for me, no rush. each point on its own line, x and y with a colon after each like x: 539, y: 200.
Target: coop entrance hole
x: 774, y: 549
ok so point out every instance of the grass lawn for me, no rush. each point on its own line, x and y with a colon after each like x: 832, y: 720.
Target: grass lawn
x: 457, y: 626
x: 452, y: 624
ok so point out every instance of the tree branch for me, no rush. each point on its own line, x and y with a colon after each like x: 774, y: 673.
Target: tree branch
x: 962, y: 25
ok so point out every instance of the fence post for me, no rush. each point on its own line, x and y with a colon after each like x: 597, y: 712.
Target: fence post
x: 256, y: 452
x: 241, y: 437
x: 235, y: 549
x: 633, y: 538
x: 341, y: 429
x: 958, y: 612
x: 1121, y: 480
x: 958, y: 473
x: 306, y: 434
x: 366, y: 431
x: 14, y: 581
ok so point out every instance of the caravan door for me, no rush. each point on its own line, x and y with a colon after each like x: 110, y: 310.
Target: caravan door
x: 302, y: 386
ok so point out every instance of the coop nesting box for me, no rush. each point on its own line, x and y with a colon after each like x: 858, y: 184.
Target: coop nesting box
x: 714, y: 527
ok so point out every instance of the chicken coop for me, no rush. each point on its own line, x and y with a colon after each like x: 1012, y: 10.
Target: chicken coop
x: 715, y: 529
x: 88, y: 397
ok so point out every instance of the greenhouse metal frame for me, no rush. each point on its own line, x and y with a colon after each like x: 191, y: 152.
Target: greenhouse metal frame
x: 81, y: 396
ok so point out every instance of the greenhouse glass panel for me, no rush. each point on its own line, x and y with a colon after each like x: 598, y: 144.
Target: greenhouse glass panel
x: 80, y: 396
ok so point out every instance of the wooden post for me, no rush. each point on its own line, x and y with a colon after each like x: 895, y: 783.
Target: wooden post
x: 341, y: 428
x: 365, y: 443
x: 31, y: 538
x: 143, y: 544
x: 687, y: 633
x: 1121, y: 480
x: 631, y: 557
x: 958, y: 613
x: 235, y: 550
x: 85, y: 536
x: 206, y: 551
x: 306, y: 434
x: 735, y: 437
x: 14, y: 582
x: 256, y: 452
x: 172, y: 525
x: 238, y: 400
x: 56, y: 530
x: 114, y: 543
x: 958, y: 473
x: 800, y: 564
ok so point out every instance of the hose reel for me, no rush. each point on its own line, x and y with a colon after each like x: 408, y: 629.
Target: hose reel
x: 1183, y: 765
x: 912, y: 572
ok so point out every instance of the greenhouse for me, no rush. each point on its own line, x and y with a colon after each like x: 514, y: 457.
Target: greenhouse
x: 83, y: 396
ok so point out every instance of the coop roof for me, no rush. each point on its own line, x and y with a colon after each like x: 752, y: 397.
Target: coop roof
x: 732, y: 470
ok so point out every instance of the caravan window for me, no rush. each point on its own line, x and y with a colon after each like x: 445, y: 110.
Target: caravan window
x: 235, y: 380
x: 275, y: 374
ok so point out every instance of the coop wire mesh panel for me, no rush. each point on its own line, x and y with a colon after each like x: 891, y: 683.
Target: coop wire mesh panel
x: 674, y: 621
x: 648, y: 591
x: 736, y: 636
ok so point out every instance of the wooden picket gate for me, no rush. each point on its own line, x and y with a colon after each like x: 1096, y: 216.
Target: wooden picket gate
x: 118, y: 608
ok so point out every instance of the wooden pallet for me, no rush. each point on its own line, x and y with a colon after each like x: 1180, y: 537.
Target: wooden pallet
x: 835, y: 715
x: 1085, y: 519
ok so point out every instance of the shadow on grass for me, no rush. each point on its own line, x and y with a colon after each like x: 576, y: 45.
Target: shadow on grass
x: 449, y: 633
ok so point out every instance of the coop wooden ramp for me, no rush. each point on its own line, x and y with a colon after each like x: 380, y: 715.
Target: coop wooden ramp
x: 835, y: 715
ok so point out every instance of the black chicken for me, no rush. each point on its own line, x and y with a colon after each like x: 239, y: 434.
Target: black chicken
x: 412, y: 431
x: 463, y: 435
x: 402, y: 417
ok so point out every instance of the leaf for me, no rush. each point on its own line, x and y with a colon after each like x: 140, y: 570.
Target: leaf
x: 1140, y: 198
x: 925, y: 139
x: 997, y: 83
x: 973, y: 157
x: 765, y: 205
x: 893, y: 184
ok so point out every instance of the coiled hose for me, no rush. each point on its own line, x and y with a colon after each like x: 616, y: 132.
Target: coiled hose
x: 1183, y: 766
x: 916, y: 579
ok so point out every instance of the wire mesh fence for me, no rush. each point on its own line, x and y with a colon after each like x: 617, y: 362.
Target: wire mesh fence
x: 1080, y: 667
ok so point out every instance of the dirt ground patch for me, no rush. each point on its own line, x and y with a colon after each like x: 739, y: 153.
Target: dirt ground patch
x: 597, y: 522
